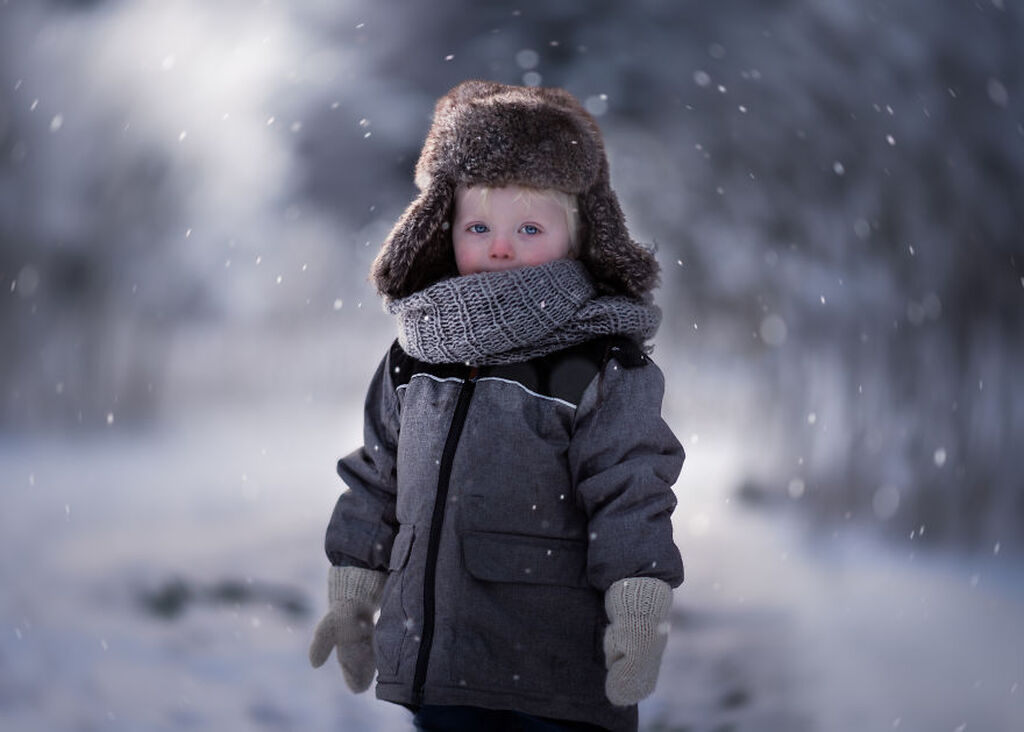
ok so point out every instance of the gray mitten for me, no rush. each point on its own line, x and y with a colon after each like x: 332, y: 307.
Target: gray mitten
x: 637, y: 609
x: 353, y: 594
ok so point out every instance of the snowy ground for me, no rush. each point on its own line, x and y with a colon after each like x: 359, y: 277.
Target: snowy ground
x: 779, y: 628
x: 169, y: 580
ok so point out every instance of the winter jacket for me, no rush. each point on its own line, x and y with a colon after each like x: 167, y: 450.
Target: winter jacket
x: 503, y: 501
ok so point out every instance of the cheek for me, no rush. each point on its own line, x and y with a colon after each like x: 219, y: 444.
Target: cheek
x: 534, y: 256
x: 464, y: 258
x: 548, y: 253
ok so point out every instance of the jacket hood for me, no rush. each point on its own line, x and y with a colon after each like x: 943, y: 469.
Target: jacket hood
x: 486, y: 133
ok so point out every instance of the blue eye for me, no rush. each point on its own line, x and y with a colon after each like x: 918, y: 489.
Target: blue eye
x: 530, y: 229
x: 478, y: 228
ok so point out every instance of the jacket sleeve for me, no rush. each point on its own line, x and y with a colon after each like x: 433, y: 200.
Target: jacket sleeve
x: 624, y: 460
x: 363, y: 525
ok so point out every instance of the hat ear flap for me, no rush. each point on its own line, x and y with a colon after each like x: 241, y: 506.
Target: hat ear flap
x: 418, y: 251
x: 616, y: 262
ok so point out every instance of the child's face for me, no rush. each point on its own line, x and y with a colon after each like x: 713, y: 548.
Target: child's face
x: 505, y: 228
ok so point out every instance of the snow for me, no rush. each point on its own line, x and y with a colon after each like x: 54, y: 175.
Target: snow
x: 780, y: 628
x: 120, y: 143
x: 775, y: 628
x: 114, y: 519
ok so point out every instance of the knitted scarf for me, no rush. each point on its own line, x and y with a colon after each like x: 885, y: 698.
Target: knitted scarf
x: 514, y: 315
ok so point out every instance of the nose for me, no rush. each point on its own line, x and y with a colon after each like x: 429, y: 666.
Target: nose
x: 501, y: 248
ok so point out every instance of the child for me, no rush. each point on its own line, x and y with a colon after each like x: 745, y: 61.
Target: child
x: 509, y: 511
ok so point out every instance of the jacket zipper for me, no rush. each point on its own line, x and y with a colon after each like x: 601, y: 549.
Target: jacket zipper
x: 434, y: 541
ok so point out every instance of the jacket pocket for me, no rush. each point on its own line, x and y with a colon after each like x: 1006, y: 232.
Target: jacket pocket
x: 535, y: 560
x: 389, y: 633
x: 527, y: 617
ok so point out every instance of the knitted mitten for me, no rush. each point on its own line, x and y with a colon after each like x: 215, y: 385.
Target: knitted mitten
x: 353, y: 594
x: 637, y: 609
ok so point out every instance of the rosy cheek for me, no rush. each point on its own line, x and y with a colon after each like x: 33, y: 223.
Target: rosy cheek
x: 462, y: 261
x: 536, y: 256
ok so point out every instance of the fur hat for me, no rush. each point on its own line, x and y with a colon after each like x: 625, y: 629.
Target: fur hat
x: 485, y: 133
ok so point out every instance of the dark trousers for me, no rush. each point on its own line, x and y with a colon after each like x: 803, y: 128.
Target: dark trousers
x: 475, y: 719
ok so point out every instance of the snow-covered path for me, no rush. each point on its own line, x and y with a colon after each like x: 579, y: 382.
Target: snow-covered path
x: 169, y: 580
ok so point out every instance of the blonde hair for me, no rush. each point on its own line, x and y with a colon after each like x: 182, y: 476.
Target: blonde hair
x: 566, y: 200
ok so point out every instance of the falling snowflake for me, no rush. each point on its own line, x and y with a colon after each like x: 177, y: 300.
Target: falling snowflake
x: 527, y: 59
x: 997, y: 92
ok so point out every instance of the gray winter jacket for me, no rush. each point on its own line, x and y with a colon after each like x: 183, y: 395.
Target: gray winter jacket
x: 503, y: 501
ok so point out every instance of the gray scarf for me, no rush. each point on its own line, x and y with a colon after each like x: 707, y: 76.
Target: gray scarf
x: 514, y: 315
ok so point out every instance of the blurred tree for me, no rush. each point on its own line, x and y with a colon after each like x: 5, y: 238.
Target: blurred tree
x: 832, y: 189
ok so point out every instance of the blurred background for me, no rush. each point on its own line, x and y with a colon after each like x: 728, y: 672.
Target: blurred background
x: 191, y: 195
